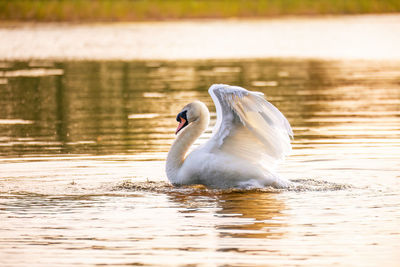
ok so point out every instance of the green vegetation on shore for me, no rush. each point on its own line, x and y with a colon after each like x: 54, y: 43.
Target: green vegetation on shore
x: 145, y: 10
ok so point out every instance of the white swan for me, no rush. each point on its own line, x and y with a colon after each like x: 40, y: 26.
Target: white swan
x: 249, y: 137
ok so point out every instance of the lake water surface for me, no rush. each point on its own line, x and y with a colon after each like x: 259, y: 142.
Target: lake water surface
x: 83, y: 147
x: 82, y: 150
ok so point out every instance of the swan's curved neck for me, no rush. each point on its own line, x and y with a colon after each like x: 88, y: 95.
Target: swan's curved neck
x: 177, y: 153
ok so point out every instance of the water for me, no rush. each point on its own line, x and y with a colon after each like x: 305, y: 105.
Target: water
x: 87, y: 116
x: 82, y: 150
x: 338, y: 37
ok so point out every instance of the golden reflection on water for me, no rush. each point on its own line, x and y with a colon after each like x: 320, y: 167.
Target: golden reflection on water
x: 82, y: 150
x: 129, y: 107
x: 260, y: 213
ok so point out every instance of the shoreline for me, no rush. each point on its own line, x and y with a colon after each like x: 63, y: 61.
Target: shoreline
x: 166, y: 10
x: 14, y: 23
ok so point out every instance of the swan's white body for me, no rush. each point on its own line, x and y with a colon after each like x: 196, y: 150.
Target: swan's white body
x: 249, y: 137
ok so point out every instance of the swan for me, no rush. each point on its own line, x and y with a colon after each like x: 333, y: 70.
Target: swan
x: 249, y: 138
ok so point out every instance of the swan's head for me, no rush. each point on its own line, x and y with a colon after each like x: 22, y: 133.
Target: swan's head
x: 191, y: 113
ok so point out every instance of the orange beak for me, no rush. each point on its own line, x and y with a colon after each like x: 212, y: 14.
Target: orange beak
x: 181, y: 125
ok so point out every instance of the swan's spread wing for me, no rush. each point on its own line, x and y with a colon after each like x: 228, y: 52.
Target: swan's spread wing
x: 248, y: 126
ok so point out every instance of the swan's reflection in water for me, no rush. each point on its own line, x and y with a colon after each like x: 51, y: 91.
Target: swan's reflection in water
x: 250, y: 215
x: 237, y: 213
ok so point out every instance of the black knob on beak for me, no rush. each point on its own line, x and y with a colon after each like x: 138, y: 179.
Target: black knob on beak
x: 181, y: 115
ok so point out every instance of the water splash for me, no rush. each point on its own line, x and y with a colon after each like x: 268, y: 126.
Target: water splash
x: 162, y: 187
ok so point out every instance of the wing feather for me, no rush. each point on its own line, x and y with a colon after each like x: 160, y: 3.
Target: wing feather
x: 248, y: 126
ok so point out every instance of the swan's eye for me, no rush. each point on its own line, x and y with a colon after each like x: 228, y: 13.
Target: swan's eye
x: 183, y: 122
x: 181, y: 115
